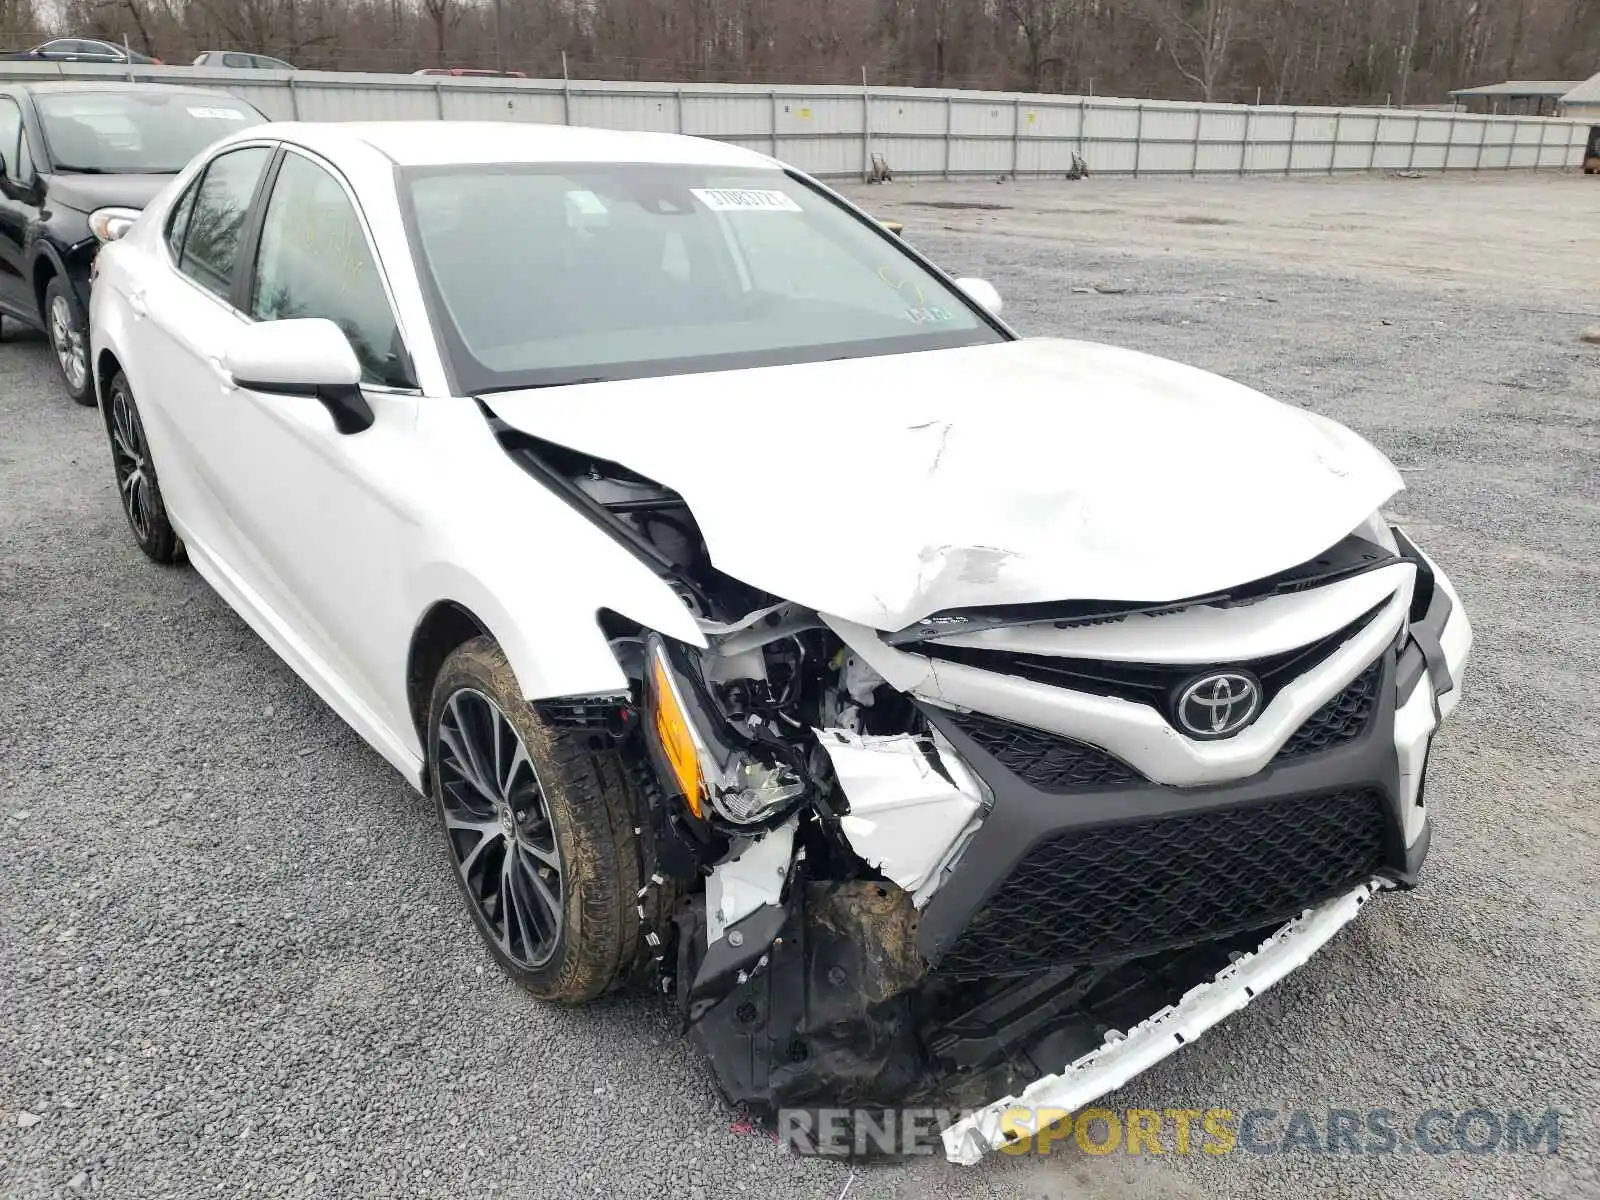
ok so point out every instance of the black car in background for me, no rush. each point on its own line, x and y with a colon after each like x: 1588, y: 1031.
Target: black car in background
x: 78, y: 161
x: 88, y: 50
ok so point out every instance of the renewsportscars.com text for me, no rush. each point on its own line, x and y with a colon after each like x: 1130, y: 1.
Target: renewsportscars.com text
x: 842, y: 1132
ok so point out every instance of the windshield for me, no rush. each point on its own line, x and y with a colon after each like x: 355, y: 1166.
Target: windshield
x: 136, y: 132
x: 558, y: 274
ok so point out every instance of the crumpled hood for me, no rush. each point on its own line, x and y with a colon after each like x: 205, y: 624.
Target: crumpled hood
x: 885, y: 489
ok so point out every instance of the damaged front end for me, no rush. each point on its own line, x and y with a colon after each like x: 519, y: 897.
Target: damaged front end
x: 990, y: 855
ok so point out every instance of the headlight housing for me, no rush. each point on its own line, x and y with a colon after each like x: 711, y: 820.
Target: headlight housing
x: 108, y: 224
x: 697, y: 754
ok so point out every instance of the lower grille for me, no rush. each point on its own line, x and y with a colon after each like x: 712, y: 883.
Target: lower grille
x: 1342, y: 719
x: 1118, y: 891
x: 1047, y: 761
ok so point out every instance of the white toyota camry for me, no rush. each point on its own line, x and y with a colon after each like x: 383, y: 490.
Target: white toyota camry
x: 921, y: 706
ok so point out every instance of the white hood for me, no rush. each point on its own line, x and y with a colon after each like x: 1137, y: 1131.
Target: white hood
x: 885, y: 489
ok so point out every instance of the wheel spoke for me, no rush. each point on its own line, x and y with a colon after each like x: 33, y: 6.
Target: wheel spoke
x: 462, y: 761
x: 139, y: 505
x: 519, y: 760
x: 548, y: 857
x: 496, y: 751
x: 469, y: 752
x: 549, y: 903
x: 518, y: 905
x: 486, y: 830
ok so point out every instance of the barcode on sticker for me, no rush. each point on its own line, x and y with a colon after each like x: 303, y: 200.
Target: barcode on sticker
x: 744, y: 200
x: 217, y: 114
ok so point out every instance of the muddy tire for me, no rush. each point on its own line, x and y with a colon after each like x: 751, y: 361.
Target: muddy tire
x: 138, y: 489
x: 539, y: 831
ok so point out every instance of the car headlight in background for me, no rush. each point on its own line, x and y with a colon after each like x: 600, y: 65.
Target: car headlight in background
x: 108, y: 224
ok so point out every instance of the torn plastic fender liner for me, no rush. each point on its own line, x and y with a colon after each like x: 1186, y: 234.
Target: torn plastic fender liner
x: 905, y: 818
x: 1127, y: 1055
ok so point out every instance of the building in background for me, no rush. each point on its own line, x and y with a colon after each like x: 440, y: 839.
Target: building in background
x: 1521, y: 97
x: 1582, y: 103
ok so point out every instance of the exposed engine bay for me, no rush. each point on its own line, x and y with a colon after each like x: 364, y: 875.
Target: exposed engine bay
x: 873, y: 891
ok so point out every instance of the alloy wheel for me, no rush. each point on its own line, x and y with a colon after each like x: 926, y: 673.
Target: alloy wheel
x: 131, y: 460
x: 501, y: 838
x: 67, y: 340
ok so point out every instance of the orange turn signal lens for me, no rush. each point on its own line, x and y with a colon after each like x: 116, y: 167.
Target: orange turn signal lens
x: 677, y: 739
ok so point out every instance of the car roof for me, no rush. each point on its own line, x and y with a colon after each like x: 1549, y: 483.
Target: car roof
x: 447, y: 143
x: 97, y: 85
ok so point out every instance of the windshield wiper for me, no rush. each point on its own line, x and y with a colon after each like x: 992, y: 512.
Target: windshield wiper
x: 71, y: 170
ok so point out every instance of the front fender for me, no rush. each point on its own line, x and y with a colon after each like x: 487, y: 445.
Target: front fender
x: 41, y: 250
x: 532, y: 570
x: 555, y: 647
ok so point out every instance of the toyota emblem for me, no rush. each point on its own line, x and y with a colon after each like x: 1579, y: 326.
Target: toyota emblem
x: 1218, y: 705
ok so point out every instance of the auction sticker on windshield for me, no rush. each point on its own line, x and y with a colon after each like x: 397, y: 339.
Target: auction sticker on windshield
x: 217, y: 114
x: 744, y: 200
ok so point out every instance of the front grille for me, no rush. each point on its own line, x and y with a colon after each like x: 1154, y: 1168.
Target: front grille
x: 1045, y: 760
x: 1154, y: 684
x: 1340, y: 720
x: 1119, y: 891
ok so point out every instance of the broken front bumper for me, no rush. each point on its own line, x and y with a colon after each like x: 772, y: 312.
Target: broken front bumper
x: 1126, y: 1055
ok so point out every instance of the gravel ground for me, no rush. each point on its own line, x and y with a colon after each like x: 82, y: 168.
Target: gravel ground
x: 232, y: 961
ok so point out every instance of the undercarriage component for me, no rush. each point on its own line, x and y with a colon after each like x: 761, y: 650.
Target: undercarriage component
x: 829, y: 1020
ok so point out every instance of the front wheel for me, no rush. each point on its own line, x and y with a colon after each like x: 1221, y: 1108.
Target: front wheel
x: 69, y: 338
x: 539, y: 828
x: 136, y: 475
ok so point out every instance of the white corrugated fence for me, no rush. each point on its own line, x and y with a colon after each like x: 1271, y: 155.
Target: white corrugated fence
x: 833, y: 132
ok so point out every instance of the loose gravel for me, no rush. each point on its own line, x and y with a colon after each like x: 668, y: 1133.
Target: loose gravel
x: 232, y: 961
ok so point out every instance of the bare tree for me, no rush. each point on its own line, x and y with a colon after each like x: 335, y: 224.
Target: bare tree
x: 1329, y: 51
x: 1038, y: 22
x: 1197, y: 37
x: 445, y: 15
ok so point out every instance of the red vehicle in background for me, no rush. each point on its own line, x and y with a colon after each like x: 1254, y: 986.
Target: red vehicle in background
x: 473, y: 71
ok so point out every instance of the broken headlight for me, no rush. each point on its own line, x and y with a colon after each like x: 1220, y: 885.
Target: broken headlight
x: 700, y: 752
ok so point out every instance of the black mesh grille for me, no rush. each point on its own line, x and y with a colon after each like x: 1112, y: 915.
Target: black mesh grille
x: 1048, y: 762
x: 1118, y: 891
x: 1340, y: 720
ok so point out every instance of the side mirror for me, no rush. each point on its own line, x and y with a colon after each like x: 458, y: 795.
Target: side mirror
x: 983, y: 293
x: 307, y: 356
